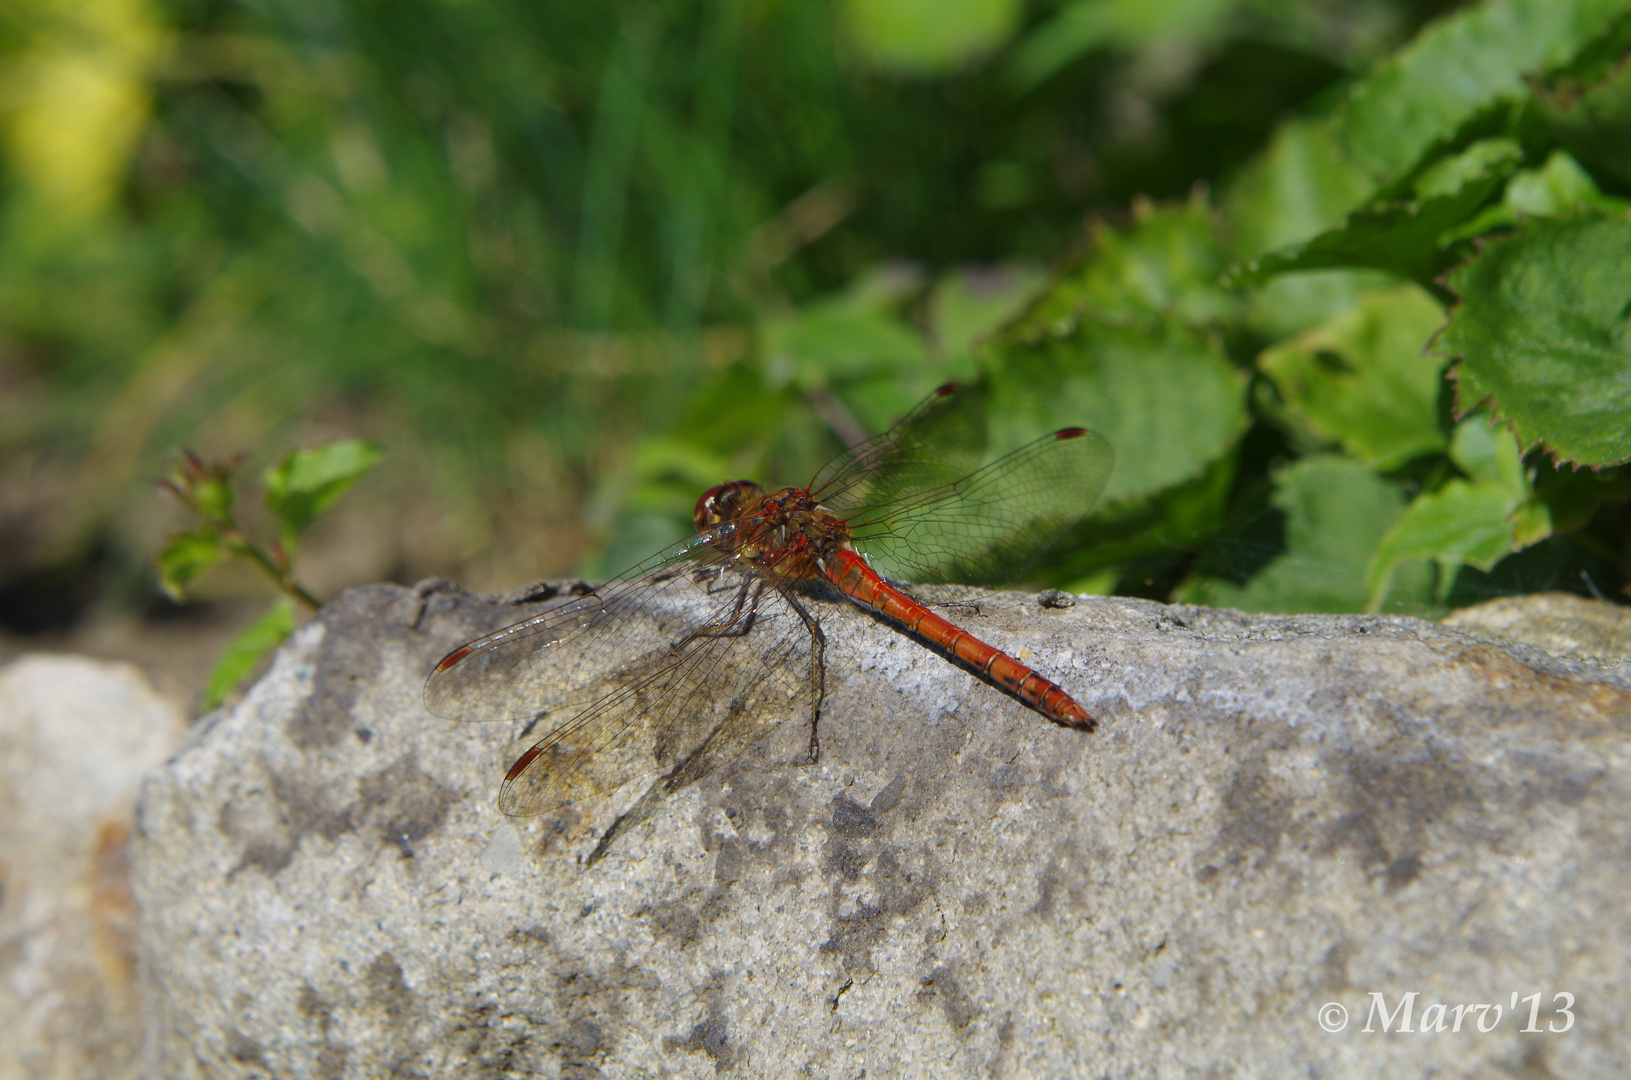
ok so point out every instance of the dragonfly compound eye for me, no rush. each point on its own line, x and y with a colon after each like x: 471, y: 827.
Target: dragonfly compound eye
x: 726, y: 502
x: 706, y: 515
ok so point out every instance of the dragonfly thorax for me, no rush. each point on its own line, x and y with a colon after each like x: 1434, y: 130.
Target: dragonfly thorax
x: 786, y: 532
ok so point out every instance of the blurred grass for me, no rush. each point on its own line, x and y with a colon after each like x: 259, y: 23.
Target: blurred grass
x: 569, y: 262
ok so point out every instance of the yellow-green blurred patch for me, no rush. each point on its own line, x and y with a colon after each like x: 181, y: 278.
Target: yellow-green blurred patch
x: 926, y: 37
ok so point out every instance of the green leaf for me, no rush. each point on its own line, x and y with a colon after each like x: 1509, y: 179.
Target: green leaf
x: 735, y: 400
x: 1363, y: 379
x: 1555, y: 189
x: 1573, y: 496
x: 205, y: 487
x: 1475, y: 521
x: 1288, y: 304
x: 1543, y: 332
x: 1449, y: 177
x: 1559, y: 187
x: 1489, y: 455
x: 832, y: 340
x: 186, y: 556
x: 1402, y: 237
x: 926, y: 37
x: 1588, y: 106
x: 1165, y: 524
x: 306, y: 482
x: 1299, y: 187
x: 213, y: 496
x: 1336, y: 513
x: 1165, y: 268
x: 1128, y: 384
x: 1119, y: 344
x: 245, y: 651
x: 971, y: 304
x: 1460, y: 523
x: 1456, y: 69
x: 1076, y: 28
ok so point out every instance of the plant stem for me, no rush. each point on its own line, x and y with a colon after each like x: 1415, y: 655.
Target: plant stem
x: 281, y: 578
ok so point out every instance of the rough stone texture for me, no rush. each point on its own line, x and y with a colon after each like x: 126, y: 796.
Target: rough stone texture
x: 1555, y: 622
x: 1276, y: 813
x: 76, y: 736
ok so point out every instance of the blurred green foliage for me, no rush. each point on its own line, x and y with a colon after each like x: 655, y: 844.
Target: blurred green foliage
x: 575, y: 263
x: 296, y: 490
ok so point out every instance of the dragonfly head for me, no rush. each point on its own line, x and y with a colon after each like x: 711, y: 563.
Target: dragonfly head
x: 726, y: 502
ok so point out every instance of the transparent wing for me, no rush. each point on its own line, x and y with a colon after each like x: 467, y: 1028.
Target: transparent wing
x: 635, y: 677
x: 922, y: 510
x: 716, y: 688
x: 554, y: 657
x: 942, y: 439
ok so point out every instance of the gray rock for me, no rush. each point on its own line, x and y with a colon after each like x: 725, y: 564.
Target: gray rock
x: 1278, y: 818
x: 1557, y: 622
x: 76, y: 737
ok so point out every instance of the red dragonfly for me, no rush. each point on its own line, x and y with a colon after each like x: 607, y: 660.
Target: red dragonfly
x: 636, y: 680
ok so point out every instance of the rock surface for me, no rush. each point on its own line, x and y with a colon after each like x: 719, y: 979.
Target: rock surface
x: 1554, y: 622
x: 76, y: 737
x: 1278, y: 818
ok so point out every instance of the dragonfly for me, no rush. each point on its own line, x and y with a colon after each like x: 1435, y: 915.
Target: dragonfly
x: 673, y: 666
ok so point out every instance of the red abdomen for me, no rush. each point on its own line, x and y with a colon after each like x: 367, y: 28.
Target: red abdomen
x: 862, y: 584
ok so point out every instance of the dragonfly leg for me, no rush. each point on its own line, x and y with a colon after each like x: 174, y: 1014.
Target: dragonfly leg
x: 690, y: 768
x: 667, y: 574
x: 930, y: 596
x: 708, y: 575
x: 734, y: 625
x: 929, y: 600
x: 818, y: 673
x: 700, y: 760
